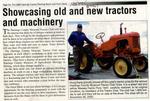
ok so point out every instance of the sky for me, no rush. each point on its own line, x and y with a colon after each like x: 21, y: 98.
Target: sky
x: 91, y: 29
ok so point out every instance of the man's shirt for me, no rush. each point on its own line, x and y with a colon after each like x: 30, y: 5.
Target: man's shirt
x: 77, y: 38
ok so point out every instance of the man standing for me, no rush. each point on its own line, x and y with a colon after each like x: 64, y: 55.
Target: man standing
x: 76, y: 40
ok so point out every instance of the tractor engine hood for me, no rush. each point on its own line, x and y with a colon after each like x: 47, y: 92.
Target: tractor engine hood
x: 112, y: 42
x: 125, y: 35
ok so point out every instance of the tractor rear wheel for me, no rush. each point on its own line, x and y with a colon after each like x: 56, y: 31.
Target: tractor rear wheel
x: 86, y: 62
x: 141, y: 64
x: 122, y: 67
x: 105, y: 63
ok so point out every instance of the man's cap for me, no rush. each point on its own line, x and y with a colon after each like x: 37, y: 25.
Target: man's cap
x: 79, y: 26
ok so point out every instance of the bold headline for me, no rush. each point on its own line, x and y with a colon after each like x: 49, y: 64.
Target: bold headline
x: 44, y: 15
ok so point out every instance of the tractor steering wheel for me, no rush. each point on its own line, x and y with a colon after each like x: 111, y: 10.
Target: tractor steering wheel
x: 100, y: 36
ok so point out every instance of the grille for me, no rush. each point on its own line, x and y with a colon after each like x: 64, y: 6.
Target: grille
x: 136, y: 42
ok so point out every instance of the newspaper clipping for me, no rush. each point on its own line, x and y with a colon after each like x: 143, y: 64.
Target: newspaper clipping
x: 74, y: 50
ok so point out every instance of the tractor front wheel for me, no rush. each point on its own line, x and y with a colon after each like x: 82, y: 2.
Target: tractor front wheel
x: 86, y: 62
x: 141, y: 64
x: 105, y: 63
x: 122, y: 67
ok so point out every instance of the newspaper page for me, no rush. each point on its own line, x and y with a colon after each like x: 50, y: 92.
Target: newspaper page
x: 74, y: 50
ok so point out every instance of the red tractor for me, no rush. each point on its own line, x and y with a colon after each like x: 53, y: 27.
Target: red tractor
x: 120, y: 51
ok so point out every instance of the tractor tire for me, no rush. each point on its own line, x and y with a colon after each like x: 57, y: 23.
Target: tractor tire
x: 122, y: 67
x: 141, y: 64
x: 105, y: 63
x: 87, y: 62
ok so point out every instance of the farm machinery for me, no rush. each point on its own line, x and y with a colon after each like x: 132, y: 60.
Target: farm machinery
x: 122, y: 52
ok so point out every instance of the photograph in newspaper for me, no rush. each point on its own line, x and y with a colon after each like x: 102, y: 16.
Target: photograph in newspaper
x: 107, y: 50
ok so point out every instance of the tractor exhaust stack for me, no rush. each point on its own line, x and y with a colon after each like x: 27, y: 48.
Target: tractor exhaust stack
x: 121, y: 28
x: 125, y: 29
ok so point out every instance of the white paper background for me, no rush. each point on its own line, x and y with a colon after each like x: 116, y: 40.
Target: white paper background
x: 141, y: 15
